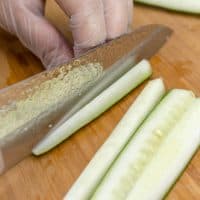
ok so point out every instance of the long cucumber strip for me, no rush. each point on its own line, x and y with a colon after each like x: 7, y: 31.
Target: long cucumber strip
x: 171, y: 159
x: 105, y: 156
x: 96, y: 107
x: 138, y: 153
x: 189, y: 6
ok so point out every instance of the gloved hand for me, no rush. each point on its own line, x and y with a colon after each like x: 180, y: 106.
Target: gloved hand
x: 91, y: 21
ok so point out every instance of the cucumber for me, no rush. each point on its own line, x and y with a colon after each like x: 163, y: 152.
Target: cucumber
x: 103, y: 159
x: 171, y: 159
x: 188, y: 6
x: 97, y: 106
x: 139, y: 152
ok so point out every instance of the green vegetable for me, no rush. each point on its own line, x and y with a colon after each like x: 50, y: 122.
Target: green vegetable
x: 109, y: 151
x: 189, y: 6
x: 171, y: 159
x: 141, y: 151
x: 96, y: 107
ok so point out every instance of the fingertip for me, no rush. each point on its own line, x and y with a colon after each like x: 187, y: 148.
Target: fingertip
x: 87, y: 23
x: 56, y: 58
x: 88, y: 27
x: 118, y: 17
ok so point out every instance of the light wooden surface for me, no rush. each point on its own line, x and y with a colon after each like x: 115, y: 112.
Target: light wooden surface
x: 50, y: 176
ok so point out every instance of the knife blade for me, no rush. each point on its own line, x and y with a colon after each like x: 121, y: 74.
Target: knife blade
x: 34, y: 107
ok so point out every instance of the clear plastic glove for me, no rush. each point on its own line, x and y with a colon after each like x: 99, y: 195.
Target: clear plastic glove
x: 92, y: 22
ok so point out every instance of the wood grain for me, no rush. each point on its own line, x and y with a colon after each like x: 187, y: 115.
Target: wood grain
x: 50, y: 176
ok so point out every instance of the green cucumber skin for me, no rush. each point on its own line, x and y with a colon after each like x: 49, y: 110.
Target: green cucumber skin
x: 195, y: 9
x: 103, y: 159
x: 111, y: 187
x: 106, y: 99
x: 184, y: 138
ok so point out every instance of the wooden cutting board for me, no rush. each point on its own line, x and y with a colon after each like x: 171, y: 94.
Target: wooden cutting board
x: 50, y: 176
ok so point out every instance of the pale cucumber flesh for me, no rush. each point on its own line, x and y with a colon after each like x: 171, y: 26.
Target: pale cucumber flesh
x: 96, y: 107
x: 103, y: 159
x: 139, y: 152
x: 171, y: 159
x: 189, y: 6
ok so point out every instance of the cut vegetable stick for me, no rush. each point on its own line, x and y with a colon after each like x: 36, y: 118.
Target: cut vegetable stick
x: 134, y: 159
x: 96, y: 107
x: 105, y: 156
x: 189, y: 6
x: 171, y: 159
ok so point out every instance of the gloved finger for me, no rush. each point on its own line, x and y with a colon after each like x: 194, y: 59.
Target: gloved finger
x: 25, y: 19
x: 117, y: 17
x: 86, y: 21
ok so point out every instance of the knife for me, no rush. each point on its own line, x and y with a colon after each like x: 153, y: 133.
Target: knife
x: 34, y: 107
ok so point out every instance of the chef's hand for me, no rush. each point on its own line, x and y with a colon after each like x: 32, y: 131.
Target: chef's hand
x: 91, y: 21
